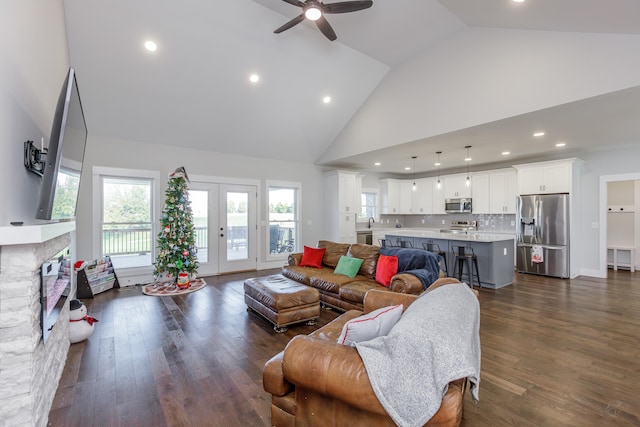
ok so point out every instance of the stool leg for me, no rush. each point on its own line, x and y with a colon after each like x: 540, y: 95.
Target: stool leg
x: 475, y: 264
x: 446, y: 268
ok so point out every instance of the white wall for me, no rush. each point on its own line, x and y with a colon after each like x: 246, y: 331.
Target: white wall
x: 482, y: 75
x: 33, y: 48
x: 593, y: 206
x: 107, y: 152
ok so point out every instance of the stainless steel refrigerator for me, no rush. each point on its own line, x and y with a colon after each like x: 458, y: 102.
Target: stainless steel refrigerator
x: 542, y: 234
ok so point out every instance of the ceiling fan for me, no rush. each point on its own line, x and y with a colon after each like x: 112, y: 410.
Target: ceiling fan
x: 314, y: 10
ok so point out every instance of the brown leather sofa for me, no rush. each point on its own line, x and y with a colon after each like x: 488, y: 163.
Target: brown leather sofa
x: 315, y: 381
x: 343, y: 292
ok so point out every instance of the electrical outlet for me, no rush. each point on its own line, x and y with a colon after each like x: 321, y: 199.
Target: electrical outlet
x: 505, y: 251
x: 443, y: 222
x: 397, y: 220
x: 423, y: 221
x: 513, y: 223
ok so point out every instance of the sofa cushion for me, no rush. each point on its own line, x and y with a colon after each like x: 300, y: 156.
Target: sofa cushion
x: 356, y: 290
x: 333, y: 252
x: 312, y: 257
x: 348, y: 266
x: 369, y: 326
x: 369, y: 255
x: 387, y: 268
x: 328, y: 281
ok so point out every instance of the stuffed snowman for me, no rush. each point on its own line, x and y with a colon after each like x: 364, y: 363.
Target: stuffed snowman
x: 80, y: 325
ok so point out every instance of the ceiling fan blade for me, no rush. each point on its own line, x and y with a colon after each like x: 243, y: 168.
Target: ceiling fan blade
x: 294, y: 2
x: 295, y: 21
x: 326, y: 29
x: 346, y: 6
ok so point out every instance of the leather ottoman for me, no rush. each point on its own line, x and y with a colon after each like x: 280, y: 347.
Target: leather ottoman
x: 282, y: 301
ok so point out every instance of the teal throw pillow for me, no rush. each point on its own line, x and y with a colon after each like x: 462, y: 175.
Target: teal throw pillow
x: 348, y: 266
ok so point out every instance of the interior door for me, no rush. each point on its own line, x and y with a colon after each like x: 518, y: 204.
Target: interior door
x: 225, y: 220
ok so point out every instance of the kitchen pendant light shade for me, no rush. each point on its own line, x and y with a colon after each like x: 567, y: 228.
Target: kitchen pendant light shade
x: 439, y: 184
x: 414, y: 173
x: 468, y: 159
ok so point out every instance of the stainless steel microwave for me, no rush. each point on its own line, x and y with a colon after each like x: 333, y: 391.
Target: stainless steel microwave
x: 457, y: 205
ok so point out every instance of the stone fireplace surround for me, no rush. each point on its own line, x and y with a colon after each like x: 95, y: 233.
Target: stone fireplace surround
x: 29, y: 369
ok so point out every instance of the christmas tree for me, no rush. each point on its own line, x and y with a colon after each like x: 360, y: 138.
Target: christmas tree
x: 176, y: 240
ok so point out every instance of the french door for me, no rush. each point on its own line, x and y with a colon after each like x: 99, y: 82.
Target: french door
x: 225, y: 220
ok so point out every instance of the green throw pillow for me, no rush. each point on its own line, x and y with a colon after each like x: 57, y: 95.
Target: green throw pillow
x: 348, y: 266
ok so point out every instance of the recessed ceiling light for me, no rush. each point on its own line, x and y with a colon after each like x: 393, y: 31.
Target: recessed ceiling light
x: 436, y: 164
x: 326, y: 99
x: 253, y: 78
x: 518, y: 1
x: 467, y: 159
x: 538, y: 134
x: 377, y: 164
x: 407, y: 168
x: 150, y: 46
x: 560, y: 144
x: 506, y: 153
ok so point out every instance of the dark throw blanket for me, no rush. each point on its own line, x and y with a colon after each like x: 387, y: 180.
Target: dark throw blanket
x: 422, y: 264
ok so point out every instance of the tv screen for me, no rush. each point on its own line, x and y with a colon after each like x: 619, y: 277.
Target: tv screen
x: 63, y: 164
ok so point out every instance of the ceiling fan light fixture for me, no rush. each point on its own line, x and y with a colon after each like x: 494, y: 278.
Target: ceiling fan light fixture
x: 313, y: 13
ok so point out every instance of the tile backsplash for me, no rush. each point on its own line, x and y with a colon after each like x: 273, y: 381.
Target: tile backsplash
x: 498, y: 223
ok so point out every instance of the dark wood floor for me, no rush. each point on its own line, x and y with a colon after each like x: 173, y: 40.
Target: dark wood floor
x: 554, y: 353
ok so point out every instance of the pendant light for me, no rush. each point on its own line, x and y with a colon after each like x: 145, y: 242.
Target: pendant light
x: 414, y: 172
x: 439, y: 184
x: 467, y: 159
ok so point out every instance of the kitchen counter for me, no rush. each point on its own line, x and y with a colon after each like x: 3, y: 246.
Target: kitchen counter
x: 495, y: 252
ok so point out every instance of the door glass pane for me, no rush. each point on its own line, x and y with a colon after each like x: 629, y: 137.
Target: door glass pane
x: 282, y: 220
x: 237, y: 225
x: 200, y: 208
x: 126, y: 221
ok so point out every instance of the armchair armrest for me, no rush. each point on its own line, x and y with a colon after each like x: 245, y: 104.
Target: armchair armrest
x: 273, y: 378
x: 330, y: 369
x: 294, y: 258
x: 375, y: 299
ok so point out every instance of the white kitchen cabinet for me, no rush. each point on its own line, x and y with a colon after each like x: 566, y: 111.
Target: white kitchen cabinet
x: 544, y: 178
x: 406, y: 196
x: 422, y: 198
x: 481, y: 194
x: 390, y: 196
x: 438, y: 197
x: 455, y: 187
x: 341, y: 205
x: 503, y: 192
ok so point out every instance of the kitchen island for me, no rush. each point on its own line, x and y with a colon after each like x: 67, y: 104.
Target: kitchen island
x: 494, y: 252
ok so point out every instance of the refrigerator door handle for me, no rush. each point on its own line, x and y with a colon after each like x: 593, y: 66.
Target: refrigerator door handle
x: 529, y: 245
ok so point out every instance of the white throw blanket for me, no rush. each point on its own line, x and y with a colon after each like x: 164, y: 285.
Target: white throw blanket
x: 436, y: 341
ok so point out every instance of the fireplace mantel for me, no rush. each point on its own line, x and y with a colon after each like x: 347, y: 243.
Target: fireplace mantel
x: 35, y: 233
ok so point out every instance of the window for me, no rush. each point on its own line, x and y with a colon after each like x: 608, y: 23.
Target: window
x: 283, y: 210
x: 368, y: 205
x: 124, y: 201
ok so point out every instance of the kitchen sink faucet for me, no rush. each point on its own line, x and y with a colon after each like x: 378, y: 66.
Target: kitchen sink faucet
x: 370, y: 221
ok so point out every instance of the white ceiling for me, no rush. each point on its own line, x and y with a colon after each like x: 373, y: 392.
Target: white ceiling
x: 194, y: 91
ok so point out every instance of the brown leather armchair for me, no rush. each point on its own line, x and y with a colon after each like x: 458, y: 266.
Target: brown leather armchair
x: 317, y: 382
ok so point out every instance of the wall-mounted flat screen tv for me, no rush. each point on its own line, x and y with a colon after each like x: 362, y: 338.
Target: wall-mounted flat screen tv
x: 63, y: 164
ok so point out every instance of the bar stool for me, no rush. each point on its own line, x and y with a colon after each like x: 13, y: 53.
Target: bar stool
x: 435, y: 248
x: 404, y: 243
x: 385, y: 243
x: 464, y: 255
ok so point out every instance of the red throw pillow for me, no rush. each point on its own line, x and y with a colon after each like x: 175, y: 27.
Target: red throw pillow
x: 387, y: 268
x: 312, y: 257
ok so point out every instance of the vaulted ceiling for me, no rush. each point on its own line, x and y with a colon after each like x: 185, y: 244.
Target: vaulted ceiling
x: 194, y: 90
